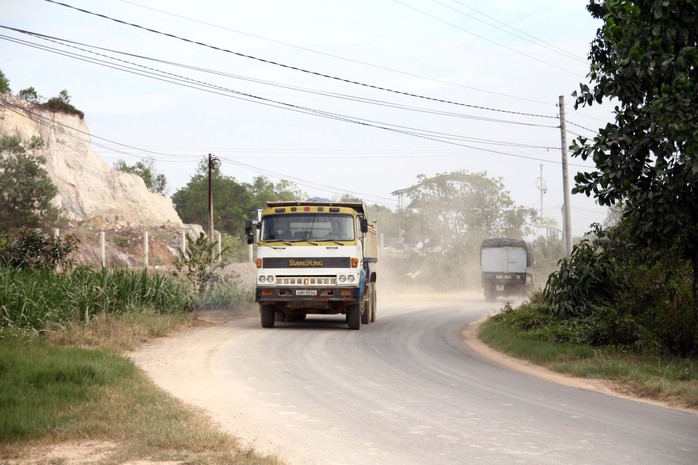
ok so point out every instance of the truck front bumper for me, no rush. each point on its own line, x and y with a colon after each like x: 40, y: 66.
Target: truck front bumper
x: 300, y: 295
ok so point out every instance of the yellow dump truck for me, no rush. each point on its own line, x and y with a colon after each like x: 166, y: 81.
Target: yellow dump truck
x: 315, y: 257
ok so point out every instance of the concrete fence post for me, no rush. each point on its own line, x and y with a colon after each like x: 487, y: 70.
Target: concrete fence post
x: 145, y: 249
x: 103, y: 248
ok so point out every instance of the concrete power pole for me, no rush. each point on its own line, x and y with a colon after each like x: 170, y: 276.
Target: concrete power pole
x: 566, y: 221
x: 543, y: 189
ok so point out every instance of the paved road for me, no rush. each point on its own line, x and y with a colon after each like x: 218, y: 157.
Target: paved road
x: 406, y: 390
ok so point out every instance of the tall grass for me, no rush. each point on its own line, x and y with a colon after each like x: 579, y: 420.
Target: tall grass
x: 43, y: 300
x: 226, y: 293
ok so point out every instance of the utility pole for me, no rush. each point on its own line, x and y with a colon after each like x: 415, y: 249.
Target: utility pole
x: 213, y: 164
x: 566, y: 221
x: 543, y: 190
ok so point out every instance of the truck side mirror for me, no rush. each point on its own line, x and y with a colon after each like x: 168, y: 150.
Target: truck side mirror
x: 363, y: 224
x: 249, y: 231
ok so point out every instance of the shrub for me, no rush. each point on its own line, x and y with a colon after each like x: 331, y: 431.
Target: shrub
x: 583, y: 282
x: 34, y: 250
x: 4, y: 83
x: 197, y: 263
x: 61, y: 104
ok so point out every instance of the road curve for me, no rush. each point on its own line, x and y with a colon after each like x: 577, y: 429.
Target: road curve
x: 404, y: 390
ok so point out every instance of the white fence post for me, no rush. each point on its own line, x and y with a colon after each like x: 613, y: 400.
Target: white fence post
x: 145, y: 249
x: 103, y: 249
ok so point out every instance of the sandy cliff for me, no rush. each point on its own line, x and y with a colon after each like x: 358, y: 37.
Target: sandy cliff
x: 91, y: 193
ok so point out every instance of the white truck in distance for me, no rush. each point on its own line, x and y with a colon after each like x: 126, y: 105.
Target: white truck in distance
x: 506, y: 267
x: 314, y: 257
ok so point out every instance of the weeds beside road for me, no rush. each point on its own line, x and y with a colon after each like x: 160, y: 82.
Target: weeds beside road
x: 669, y: 379
x: 65, y: 378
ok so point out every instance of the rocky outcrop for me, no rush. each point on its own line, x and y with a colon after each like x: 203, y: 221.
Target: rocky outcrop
x: 91, y: 193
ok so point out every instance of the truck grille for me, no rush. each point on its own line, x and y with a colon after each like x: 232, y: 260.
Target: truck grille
x: 306, y: 281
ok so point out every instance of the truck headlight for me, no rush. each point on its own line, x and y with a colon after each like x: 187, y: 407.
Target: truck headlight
x: 342, y: 278
x: 351, y: 278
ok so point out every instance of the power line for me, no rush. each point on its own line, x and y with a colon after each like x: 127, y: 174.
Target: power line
x: 67, y: 43
x: 480, y: 37
x: 519, y: 33
x: 295, y: 68
x: 47, y: 121
x: 350, y: 60
x: 176, y: 79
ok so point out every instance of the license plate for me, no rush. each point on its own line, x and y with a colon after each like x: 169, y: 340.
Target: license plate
x: 500, y: 287
x: 306, y: 292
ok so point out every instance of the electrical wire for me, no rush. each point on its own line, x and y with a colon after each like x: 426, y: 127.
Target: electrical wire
x: 67, y: 43
x: 187, y: 82
x: 509, y: 28
x: 330, y: 55
x: 295, y: 68
x: 481, y: 37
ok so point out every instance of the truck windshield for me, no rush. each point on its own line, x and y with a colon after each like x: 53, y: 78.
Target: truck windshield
x: 307, y: 227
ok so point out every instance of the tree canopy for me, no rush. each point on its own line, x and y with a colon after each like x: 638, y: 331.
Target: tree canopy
x: 4, y: 83
x: 644, y: 59
x: 233, y: 202
x: 155, y: 182
x: 26, y: 190
x: 462, y: 207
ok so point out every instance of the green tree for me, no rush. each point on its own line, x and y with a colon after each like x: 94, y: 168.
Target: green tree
x: 30, y: 94
x: 4, y: 83
x: 155, y: 182
x: 26, y: 190
x: 232, y: 201
x: 264, y: 190
x: 465, y: 208
x: 644, y: 58
x: 547, y: 253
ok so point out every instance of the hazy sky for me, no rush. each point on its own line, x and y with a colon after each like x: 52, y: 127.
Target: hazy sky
x: 355, y: 97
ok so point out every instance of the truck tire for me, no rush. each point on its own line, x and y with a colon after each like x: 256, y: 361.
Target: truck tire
x: 266, y: 313
x: 366, y: 315
x: 490, y: 294
x: 374, y: 302
x: 354, y: 316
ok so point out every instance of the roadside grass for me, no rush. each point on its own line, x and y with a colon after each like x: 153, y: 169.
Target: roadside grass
x: 56, y: 394
x: 44, y: 300
x: 65, y: 378
x: 664, y: 378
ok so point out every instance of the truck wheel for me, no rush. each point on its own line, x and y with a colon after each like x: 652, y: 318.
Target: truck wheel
x: 354, y: 316
x: 374, y: 302
x: 490, y: 295
x: 366, y: 315
x: 266, y: 313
